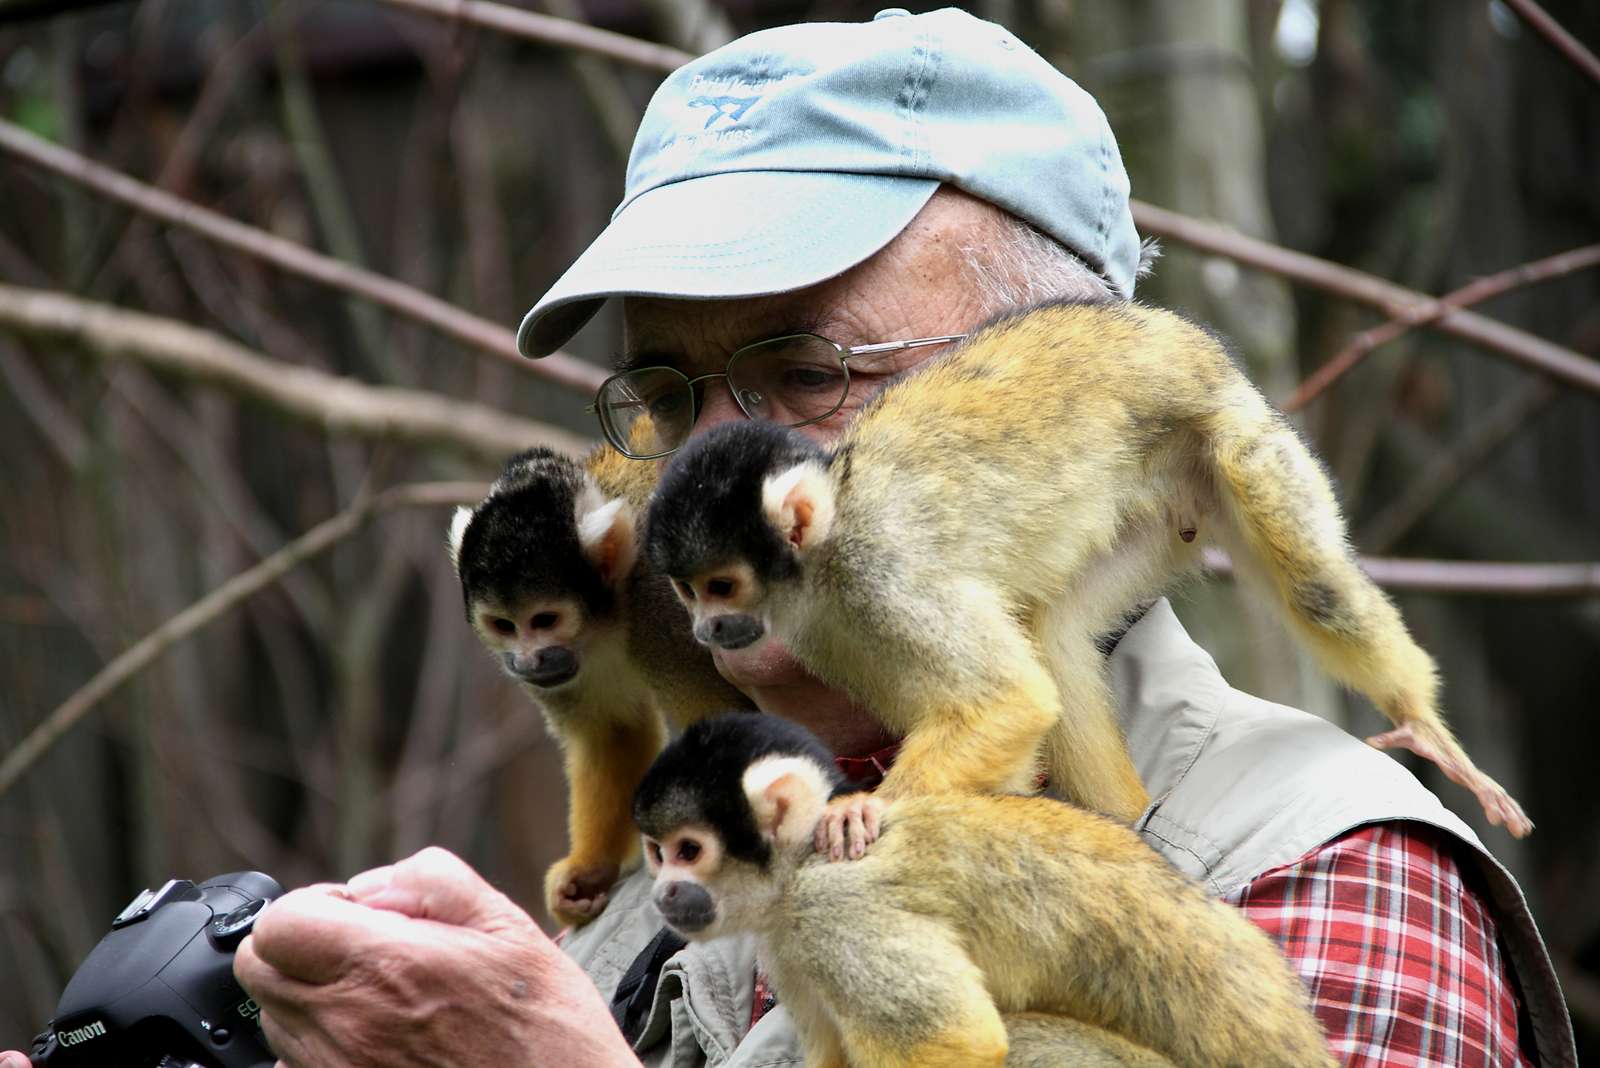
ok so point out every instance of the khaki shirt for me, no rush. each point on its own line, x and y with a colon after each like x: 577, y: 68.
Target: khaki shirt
x: 1238, y: 785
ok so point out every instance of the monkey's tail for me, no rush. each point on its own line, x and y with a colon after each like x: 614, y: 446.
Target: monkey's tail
x: 1284, y: 530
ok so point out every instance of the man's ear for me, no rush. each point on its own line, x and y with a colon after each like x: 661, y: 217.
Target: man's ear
x: 787, y: 795
x: 606, y: 533
x: 799, y: 505
x: 458, y: 529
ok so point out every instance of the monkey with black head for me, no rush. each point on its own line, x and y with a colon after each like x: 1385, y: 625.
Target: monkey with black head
x: 557, y: 591
x: 952, y: 562
x: 968, y: 909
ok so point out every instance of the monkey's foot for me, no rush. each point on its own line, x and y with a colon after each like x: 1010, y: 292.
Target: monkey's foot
x: 1500, y: 807
x: 577, y: 893
x: 849, y: 821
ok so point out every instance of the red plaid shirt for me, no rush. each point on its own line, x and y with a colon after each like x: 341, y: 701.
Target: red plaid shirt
x: 1401, y: 958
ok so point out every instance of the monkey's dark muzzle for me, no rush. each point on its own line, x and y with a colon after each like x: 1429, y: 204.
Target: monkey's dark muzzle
x: 550, y: 666
x: 686, y: 906
x: 730, y: 631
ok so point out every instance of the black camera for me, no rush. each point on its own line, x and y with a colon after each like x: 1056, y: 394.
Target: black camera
x: 159, y: 989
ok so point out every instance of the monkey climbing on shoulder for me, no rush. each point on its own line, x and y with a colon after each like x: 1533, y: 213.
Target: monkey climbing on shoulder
x: 952, y: 560
x: 556, y: 590
x: 971, y: 933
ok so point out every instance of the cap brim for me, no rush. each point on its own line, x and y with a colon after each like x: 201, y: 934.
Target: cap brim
x: 743, y: 234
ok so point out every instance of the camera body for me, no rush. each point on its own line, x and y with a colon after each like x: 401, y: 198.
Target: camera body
x: 159, y: 988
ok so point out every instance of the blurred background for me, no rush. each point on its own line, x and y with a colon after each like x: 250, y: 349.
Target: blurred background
x: 343, y: 715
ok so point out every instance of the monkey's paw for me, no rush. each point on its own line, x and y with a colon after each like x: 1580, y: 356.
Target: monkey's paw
x: 849, y: 822
x: 1499, y: 807
x: 577, y: 893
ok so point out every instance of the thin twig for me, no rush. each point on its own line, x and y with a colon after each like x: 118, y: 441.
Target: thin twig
x: 1474, y: 292
x: 1485, y: 435
x: 1552, y: 31
x: 549, y: 30
x: 177, y: 172
x: 340, y: 405
x: 1395, y: 301
x: 48, y: 415
x: 601, y: 86
x: 330, y: 205
x: 480, y: 333
x: 145, y: 651
x: 1467, y: 577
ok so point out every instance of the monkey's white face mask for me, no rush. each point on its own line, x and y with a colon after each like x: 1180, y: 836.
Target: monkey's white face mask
x: 703, y: 892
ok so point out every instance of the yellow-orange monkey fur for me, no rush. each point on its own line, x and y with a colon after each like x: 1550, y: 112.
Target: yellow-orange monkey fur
x: 556, y: 590
x: 967, y: 909
x: 951, y: 561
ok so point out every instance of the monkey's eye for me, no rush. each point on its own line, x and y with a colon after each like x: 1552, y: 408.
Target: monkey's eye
x: 504, y: 626
x: 688, y: 850
x: 721, y: 587
x: 543, y: 620
x: 655, y: 851
x: 685, y: 590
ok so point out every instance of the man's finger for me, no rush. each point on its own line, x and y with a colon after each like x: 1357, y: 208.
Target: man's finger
x: 313, y: 936
x: 437, y: 885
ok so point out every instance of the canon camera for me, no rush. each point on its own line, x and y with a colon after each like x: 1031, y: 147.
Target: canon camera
x: 159, y: 989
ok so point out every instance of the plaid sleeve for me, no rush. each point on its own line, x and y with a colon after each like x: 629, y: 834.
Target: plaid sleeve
x: 1401, y: 958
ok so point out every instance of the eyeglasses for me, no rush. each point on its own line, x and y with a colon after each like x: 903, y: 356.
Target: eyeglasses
x: 793, y: 380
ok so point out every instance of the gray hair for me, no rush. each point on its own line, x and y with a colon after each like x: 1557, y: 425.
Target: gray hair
x: 1020, y: 265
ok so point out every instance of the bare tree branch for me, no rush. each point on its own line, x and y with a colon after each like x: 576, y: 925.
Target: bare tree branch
x: 619, y: 118
x: 1468, y: 577
x: 1396, y: 301
x: 329, y: 203
x: 1446, y: 470
x: 1552, y: 31
x: 340, y: 405
x: 1476, y: 291
x: 149, y: 648
x: 481, y: 334
x: 549, y: 30
x: 48, y: 415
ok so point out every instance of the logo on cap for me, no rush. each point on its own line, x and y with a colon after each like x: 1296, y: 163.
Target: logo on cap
x: 731, y: 108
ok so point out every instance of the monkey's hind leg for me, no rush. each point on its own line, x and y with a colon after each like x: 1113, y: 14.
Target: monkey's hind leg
x: 1042, y: 1041
x: 604, y: 762
x: 974, y: 1036
x: 1435, y: 743
x: 1284, y: 529
x: 1085, y: 753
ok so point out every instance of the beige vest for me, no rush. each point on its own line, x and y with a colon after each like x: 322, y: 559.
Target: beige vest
x: 1240, y: 786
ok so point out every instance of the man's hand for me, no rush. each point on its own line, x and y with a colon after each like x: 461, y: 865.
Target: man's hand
x: 420, y: 963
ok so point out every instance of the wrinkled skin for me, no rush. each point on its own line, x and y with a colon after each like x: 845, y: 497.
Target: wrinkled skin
x: 425, y: 964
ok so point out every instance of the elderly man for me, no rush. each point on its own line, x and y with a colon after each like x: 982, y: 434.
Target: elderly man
x: 902, y: 180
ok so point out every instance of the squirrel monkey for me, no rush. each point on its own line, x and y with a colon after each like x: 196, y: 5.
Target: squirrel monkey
x: 952, y: 560
x: 968, y: 907
x: 557, y: 591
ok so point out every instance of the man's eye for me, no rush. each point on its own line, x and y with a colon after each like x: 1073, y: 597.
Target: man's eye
x: 809, y: 379
x: 666, y: 404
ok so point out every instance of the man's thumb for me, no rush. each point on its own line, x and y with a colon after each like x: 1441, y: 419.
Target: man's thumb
x: 435, y: 884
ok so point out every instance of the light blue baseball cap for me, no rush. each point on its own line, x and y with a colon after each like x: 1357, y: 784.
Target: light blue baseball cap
x: 792, y: 154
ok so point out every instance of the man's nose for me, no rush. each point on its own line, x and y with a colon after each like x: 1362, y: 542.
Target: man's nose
x: 717, y: 406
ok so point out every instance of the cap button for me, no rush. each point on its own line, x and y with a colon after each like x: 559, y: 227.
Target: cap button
x: 891, y: 13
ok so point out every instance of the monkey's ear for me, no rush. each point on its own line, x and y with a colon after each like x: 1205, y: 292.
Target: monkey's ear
x: 606, y: 534
x: 458, y: 529
x: 787, y: 795
x: 799, y: 504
